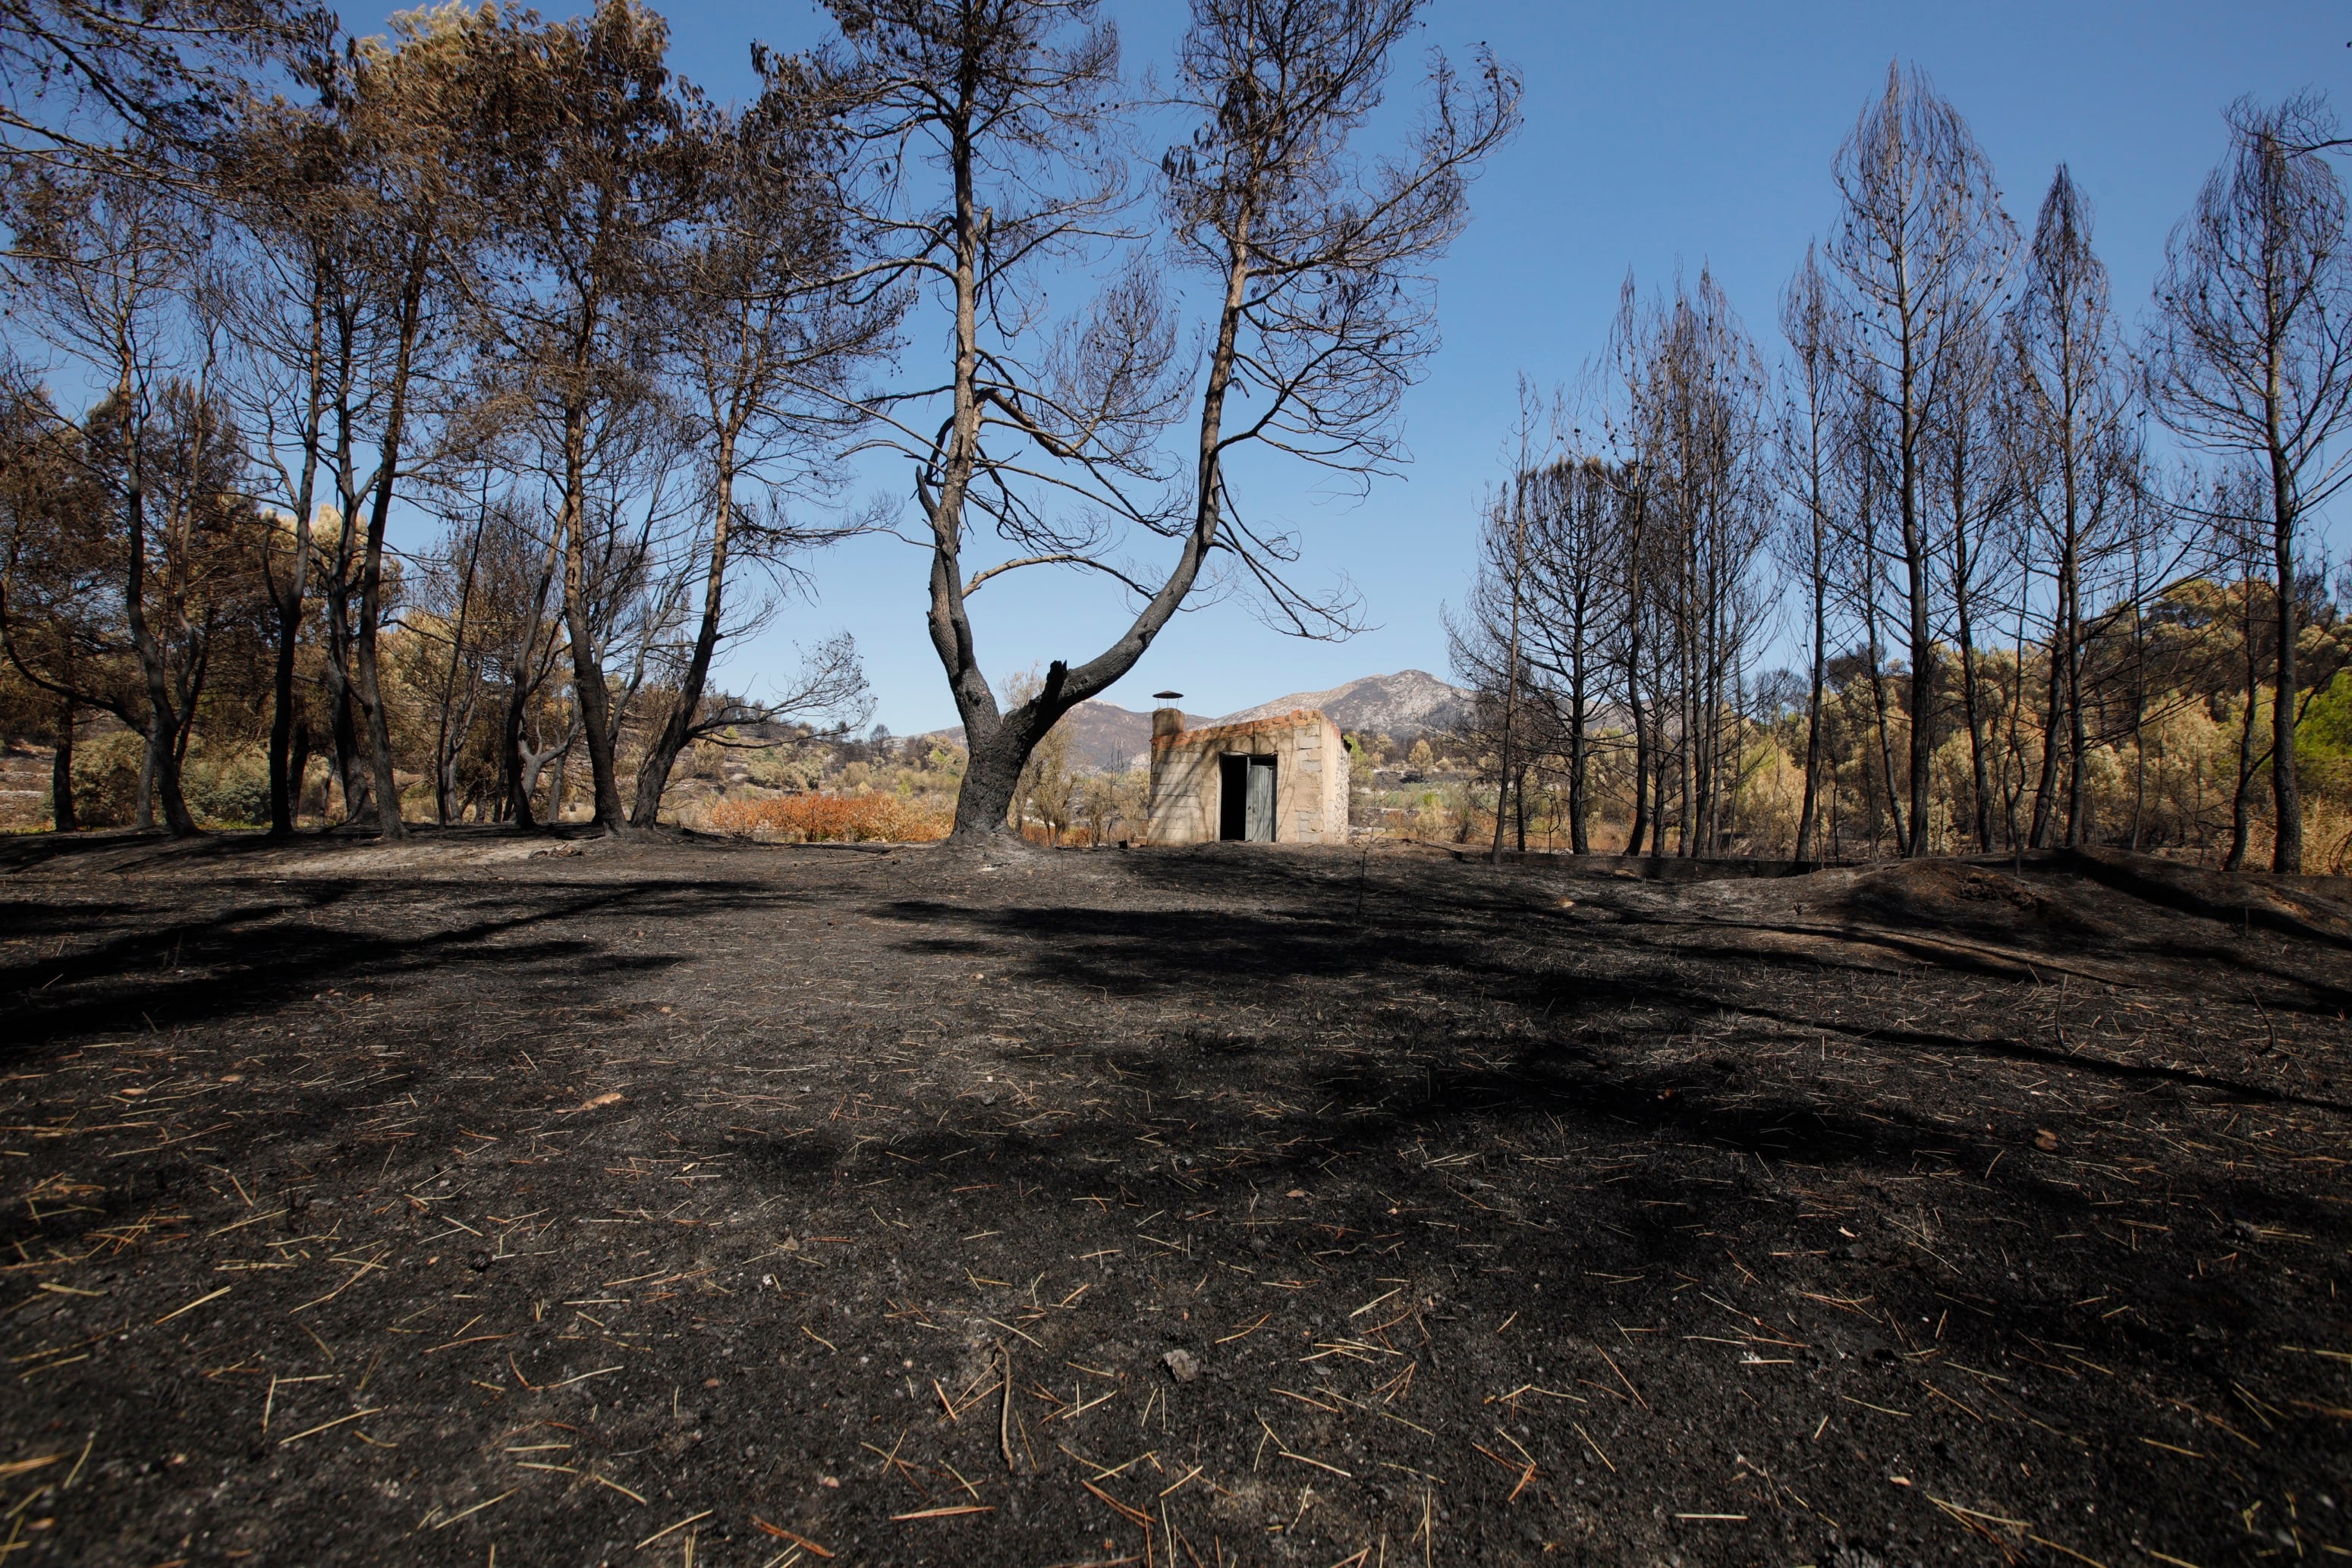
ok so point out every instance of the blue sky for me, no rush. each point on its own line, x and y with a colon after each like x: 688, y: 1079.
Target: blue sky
x: 1657, y: 136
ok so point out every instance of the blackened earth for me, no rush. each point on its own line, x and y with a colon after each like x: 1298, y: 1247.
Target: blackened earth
x: 677, y: 1202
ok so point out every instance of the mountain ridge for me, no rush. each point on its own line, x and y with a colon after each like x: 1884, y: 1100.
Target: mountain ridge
x: 1399, y: 705
x: 1106, y: 736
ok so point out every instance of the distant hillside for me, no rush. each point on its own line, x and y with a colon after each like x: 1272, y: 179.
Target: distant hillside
x: 1111, y: 739
x: 1401, y: 706
x: 1104, y: 737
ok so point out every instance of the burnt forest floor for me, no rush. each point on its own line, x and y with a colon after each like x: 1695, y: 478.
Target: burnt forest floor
x: 487, y: 1200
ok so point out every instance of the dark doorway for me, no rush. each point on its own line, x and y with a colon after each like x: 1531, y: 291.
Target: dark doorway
x: 1245, y: 797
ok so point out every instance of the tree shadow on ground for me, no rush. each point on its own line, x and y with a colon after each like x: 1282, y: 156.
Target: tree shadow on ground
x: 1187, y: 1068
x: 126, y: 970
x: 1126, y: 952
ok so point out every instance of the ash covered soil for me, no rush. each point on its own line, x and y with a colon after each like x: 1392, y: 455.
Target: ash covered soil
x: 465, y: 1202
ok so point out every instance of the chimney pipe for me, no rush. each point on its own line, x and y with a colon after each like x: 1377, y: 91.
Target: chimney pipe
x: 1166, y: 720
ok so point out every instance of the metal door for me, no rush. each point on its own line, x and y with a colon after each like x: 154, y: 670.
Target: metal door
x: 1260, y: 806
x: 1233, y: 795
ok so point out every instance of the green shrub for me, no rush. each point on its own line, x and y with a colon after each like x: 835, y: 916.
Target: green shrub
x: 106, y: 779
x: 230, y: 790
x: 772, y: 769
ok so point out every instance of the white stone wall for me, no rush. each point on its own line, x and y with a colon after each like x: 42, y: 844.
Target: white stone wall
x: 1310, y: 778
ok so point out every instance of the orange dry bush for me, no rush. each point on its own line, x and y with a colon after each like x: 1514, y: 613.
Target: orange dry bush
x: 806, y: 819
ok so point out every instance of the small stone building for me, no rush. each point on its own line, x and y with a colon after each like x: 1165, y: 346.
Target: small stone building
x: 1271, y: 780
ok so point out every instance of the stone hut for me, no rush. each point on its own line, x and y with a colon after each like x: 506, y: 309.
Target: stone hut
x: 1271, y: 780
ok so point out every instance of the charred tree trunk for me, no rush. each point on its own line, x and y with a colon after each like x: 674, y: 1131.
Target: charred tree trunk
x: 1805, y: 829
x: 1971, y: 698
x: 61, y: 788
x: 1511, y: 657
x: 2286, y: 796
x: 992, y: 780
x: 661, y: 755
x: 284, y: 782
x: 2240, y: 828
x: 1922, y: 703
x: 1878, y: 717
x: 1579, y: 841
x: 2045, y: 792
x: 593, y: 696
x: 2078, y: 738
x: 589, y: 690
x: 520, y: 784
x: 160, y: 782
x: 1639, y: 834
x: 297, y: 766
x: 369, y: 684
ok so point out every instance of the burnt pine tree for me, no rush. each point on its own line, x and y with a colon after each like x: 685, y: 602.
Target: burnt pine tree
x: 592, y: 171
x: 1809, y: 434
x: 2252, y: 359
x: 2077, y: 440
x: 1046, y: 434
x: 131, y: 84
x: 100, y: 265
x: 767, y: 322
x: 287, y: 306
x: 1923, y: 247
x: 408, y: 108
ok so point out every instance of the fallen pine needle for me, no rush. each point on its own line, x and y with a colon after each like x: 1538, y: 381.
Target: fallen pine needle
x: 681, y: 1524
x: 1285, y: 1451
x: 192, y: 1306
x: 1132, y: 1515
x: 323, y: 1426
x: 1724, y: 1516
x: 88, y: 1443
x: 1592, y: 1444
x: 781, y: 1533
x: 1977, y: 1514
x: 1244, y: 1333
x: 1004, y: 1409
x: 477, y: 1508
x: 1010, y: 1329
x: 1621, y: 1377
x: 1526, y: 1388
x: 570, y: 1381
x: 19, y: 1467
x: 1302, y: 1458
x: 1525, y: 1475
x: 609, y: 1481
x: 949, y: 1511
x: 2069, y: 1551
